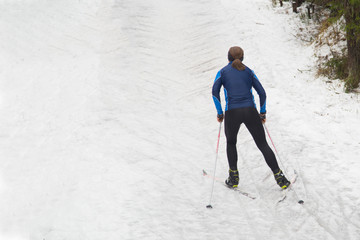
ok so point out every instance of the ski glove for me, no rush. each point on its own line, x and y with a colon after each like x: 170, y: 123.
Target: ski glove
x: 263, y: 117
x: 220, y: 117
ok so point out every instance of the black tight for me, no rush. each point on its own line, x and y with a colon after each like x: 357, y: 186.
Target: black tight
x: 250, y: 117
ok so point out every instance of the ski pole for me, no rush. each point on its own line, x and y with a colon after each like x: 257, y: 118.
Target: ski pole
x: 217, y: 150
x: 267, y: 131
x: 297, y: 196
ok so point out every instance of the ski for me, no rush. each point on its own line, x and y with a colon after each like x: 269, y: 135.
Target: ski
x: 223, y: 182
x: 241, y: 192
x: 285, y: 191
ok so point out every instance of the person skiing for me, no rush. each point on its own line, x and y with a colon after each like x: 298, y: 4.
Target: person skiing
x: 238, y: 81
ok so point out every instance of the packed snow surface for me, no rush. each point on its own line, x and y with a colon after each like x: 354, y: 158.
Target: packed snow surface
x: 107, y: 121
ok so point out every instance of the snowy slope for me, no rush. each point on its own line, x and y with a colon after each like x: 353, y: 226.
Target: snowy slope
x: 107, y: 120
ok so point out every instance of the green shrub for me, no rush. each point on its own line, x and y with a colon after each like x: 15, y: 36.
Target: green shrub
x: 338, y: 67
x: 351, y: 83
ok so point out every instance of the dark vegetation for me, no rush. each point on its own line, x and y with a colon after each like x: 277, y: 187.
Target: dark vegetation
x: 345, y: 64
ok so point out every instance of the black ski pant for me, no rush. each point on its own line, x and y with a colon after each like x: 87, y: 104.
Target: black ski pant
x: 250, y: 117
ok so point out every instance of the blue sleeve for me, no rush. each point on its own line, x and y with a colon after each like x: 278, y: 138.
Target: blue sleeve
x: 261, y: 91
x: 216, y: 92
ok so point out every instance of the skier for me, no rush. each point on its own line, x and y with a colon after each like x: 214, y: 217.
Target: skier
x: 238, y: 81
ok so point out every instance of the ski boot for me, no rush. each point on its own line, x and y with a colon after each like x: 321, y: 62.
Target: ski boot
x: 281, y: 179
x: 233, y: 179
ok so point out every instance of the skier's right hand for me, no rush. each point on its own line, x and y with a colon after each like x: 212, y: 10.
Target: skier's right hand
x: 220, y: 117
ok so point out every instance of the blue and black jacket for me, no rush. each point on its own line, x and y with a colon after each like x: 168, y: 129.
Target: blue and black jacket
x: 238, y: 89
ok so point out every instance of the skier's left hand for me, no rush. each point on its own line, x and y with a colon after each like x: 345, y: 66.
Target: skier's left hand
x: 263, y: 117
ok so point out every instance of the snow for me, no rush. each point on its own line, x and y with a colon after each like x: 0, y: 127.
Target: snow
x: 107, y: 120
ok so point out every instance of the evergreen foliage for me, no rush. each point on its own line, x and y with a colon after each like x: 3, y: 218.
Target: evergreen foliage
x: 350, y: 9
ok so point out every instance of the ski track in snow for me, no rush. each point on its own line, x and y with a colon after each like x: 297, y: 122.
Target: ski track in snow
x: 106, y: 122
